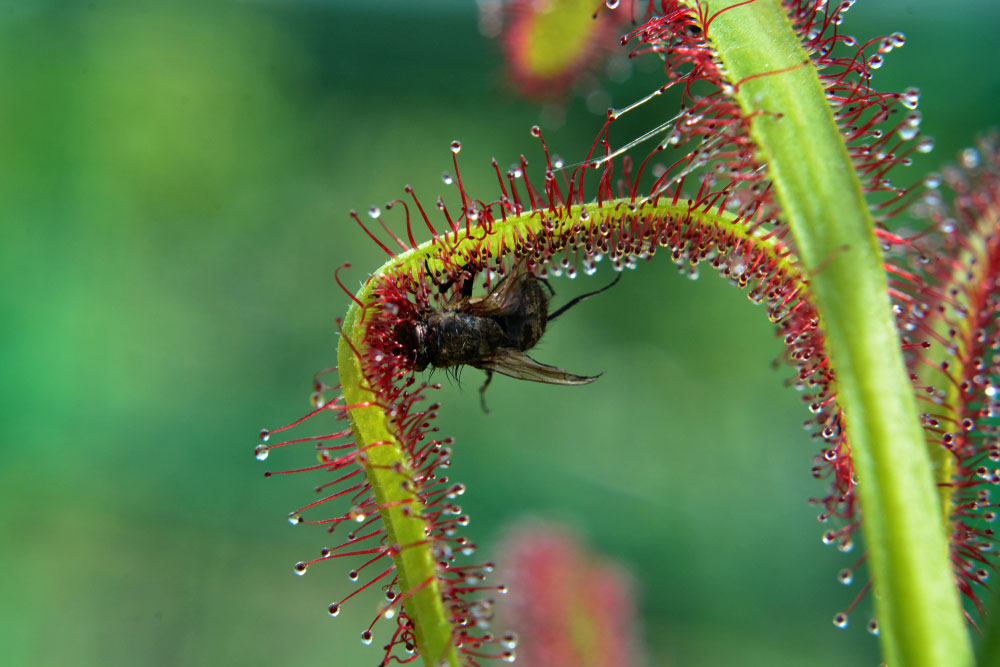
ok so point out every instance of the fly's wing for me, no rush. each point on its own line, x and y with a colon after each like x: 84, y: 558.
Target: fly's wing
x: 518, y: 365
x: 504, y: 296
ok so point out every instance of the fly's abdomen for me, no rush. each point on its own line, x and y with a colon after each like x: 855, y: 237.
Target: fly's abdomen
x: 524, y: 326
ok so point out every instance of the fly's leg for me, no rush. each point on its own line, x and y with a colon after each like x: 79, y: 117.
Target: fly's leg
x: 482, y: 391
x: 580, y: 298
x: 433, y: 278
x: 464, y: 294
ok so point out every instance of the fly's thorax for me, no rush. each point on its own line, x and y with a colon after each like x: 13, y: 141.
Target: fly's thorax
x: 453, y: 338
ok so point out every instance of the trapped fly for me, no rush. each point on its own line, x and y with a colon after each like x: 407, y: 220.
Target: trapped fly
x: 492, y: 332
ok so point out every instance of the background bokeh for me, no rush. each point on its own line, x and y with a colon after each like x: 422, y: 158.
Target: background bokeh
x: 174, y: 182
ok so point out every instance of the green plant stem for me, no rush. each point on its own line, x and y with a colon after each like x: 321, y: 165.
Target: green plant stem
x: 916, y: 600
x: 414, y: 564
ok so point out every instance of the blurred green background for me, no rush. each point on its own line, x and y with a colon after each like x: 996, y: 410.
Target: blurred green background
x: 175, y: 181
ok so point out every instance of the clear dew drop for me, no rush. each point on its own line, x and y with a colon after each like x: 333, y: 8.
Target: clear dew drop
x: 374, y: 212
x: 300, y: 568
x: 536, y: 131
x: 294, y: 518
x: 446, y: 178
x: 456, y: 146
x: 261, y: 452
x: 876, y: 61
x: 612, y: 4
x: 845, y: 576
x: 366, y: 637
x: 264, y: 435
x: 840, y: 620
x: 317, y: 400
x: 911, y: 98
x: 510, y: 656
x: 969, y: 158
x: 872, y: 627
x: 925, y: 145
x: 333, y: 609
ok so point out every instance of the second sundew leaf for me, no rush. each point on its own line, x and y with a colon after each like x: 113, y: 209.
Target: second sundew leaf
x: 549, y: 45
x: 777, y: 84
x: 946, y: 287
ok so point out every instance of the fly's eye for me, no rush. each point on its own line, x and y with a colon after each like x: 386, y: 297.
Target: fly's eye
x: 407, y: 334
x: 404, y: 334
